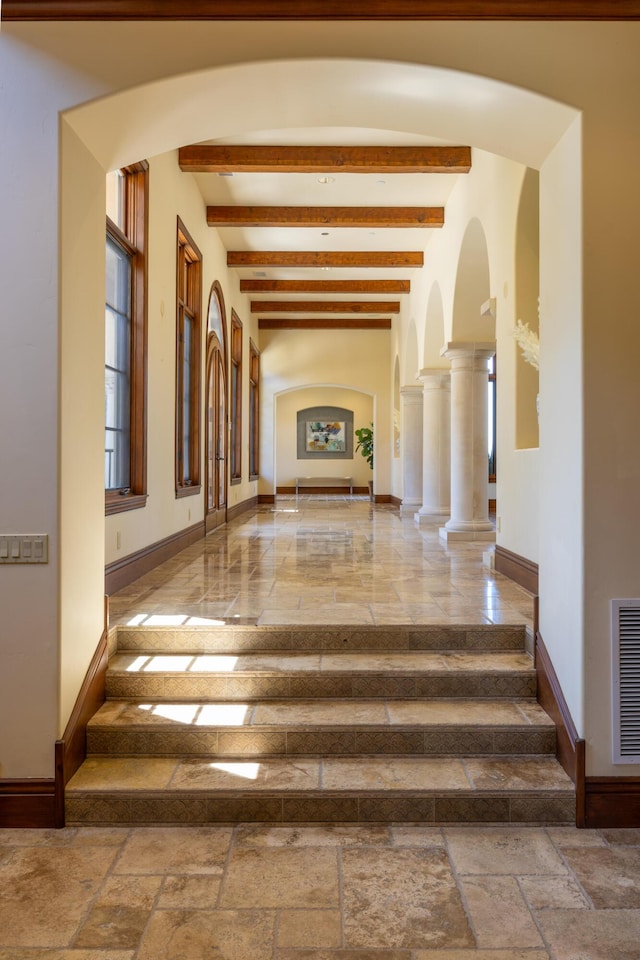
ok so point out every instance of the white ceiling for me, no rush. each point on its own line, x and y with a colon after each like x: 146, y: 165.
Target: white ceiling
x: 343, y: 189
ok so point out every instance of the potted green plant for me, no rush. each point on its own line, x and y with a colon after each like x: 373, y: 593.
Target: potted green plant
x: 365, y: 446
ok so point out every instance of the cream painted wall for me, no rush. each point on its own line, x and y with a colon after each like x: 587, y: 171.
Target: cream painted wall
x: 561, y: 580
x: 357, y: 360
x: 34, y: 449
x: 587, y: 544
x: 81, y: 407
x: 172, y: 194
x: 287, y: 464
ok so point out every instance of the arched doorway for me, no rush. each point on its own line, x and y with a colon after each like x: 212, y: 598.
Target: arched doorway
x: 215, y: 505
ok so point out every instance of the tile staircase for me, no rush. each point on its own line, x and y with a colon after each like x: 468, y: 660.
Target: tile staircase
x: 430, y: 724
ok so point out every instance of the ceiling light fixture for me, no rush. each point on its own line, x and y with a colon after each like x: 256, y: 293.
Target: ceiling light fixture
x: 326, y: 179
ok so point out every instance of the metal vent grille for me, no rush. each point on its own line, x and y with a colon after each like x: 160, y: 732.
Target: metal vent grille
x: 625, y: 617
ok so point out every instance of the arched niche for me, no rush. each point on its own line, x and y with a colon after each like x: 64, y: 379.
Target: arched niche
x: 527, y: 292
x: 434, y: 330
x: 472, y: 288
x: 411, y: 365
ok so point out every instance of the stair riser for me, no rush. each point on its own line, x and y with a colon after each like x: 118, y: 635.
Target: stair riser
x: 197, y: 688
x: 472, y: 741
x: 430, y: 809
x: 274, y: 640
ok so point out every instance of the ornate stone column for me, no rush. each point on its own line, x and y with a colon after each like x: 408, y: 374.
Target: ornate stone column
x: 411, y: 447
x: 469, y: 438
x: 436, y: 444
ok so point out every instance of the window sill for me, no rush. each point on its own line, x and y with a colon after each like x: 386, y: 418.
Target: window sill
x: 114, y: 503
x: 190, y: 491
x: 235, y: 481
x: 254, y: 476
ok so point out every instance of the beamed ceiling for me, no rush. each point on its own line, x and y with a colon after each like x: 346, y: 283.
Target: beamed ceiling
x: 44, y: 10
x: 341, y: 216
x: 326, y: 232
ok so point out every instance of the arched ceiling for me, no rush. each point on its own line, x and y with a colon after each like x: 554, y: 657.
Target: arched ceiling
x: 269, y: 204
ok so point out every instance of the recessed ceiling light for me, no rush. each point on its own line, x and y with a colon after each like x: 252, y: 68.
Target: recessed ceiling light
x: 326, y: 179
x: 381, y: 182
x: 325, y: 233
x: 225, y: 174
x: 259, y: 273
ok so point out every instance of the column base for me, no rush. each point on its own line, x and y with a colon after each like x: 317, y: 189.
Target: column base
x: 426, y: 517
x: 409, y: 506
x: 479, y: 531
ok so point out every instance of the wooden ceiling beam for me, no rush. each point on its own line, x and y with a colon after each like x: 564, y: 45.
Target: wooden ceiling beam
x: 320, y: 10
x: 325, y: 286
x: 251, y: 216
x: 323, y: 323
x: 325, y: 258
x: 228, y: 158
x: 325, y: 306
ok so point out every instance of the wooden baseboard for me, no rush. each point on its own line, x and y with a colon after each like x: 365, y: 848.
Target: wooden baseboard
x: 290, y: 491
x: 570, y: 748
x: 523, y: 571
x: 239, y: 508
x: 121, y: 573
x: 71, y: 750
x: 612, y: 802
x: 396, y: 501
x: 28, y: 804
x: 266, y: 498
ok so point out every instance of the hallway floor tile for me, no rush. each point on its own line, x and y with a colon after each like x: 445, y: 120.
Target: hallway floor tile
x: 324, y: 559
x: 377, y: 892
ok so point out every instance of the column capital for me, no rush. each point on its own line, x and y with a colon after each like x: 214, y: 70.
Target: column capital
x: 435, y: 377
x: 468, y: 350
x: 412, y: 392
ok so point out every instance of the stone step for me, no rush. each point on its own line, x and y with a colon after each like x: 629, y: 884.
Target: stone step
x: 386, y: 675
x: 194, y: 638
x: 306, y: 728
x: 323, y: 790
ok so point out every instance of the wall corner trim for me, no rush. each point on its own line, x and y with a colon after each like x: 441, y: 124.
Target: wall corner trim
x: 570, y: 748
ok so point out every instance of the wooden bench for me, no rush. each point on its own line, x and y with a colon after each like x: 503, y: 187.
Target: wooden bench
x: 324, y: 482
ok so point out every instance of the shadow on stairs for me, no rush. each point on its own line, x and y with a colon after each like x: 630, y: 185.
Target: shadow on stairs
x: 325, y: 724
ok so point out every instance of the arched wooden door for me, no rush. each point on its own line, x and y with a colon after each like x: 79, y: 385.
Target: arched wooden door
x: 215, y: 507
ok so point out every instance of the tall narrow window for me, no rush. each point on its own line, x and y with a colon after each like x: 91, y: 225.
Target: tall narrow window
x: 189, y: 297
x: 254, y: 411
x: 491, y: 410
x: 125, y: 470
x: 236, y: 398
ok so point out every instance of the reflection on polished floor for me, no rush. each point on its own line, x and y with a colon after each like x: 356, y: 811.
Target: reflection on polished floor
x: 377, y: 891
x: 324, y: 560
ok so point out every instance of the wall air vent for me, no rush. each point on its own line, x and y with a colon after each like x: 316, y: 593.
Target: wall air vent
x: 625, y: 699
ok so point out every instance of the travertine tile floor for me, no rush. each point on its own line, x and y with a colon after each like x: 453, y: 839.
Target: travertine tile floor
x: 320, y: 893
x: 322, y: 560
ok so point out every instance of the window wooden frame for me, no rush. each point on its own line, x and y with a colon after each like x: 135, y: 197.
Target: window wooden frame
x: 254, y: 411
x: 188, y: 311
x: 133, y: 238
x: 236, y: 399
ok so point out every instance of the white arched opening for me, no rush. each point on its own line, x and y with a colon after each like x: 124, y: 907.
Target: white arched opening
x: 156, y: 118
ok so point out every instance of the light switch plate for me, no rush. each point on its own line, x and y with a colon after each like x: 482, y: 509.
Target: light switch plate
x: 24, y: 548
